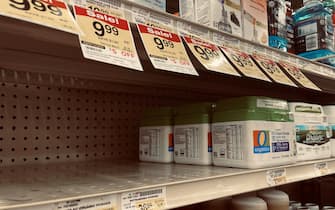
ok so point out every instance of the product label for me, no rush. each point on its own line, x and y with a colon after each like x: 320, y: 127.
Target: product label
x: 165, y: 50
x: 150, y: 142
x: 153, y: 199
x: 51, y: 13
x: 277, y: 18
x: 276, y: 177
x: 110, y: 7
x: 228, y: 141
x: 261, y: 141
x: 187, y: 142
x: 244, y: 63
x: 296, y: 73
x: 210, y: 56
x: 311, y: 134
x: 307, y: 108
x: 106, y: 38
x: 272, y: 70
x: 97, y: 203
x: 280, y: 141
x: 332, y: 129
x: 272, y: 104
x: 171, y: 144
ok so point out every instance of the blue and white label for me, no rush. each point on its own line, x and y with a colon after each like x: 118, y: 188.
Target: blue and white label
x: 280, y: 141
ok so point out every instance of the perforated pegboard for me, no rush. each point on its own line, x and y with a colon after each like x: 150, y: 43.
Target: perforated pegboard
x: 51, y: 124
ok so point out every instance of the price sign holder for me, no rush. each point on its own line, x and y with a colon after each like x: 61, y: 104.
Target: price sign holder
x: 276, y: 177
x: 297, y: 75
x: 106, y: 38
x: 210, y: 56
x: 165, y: 50
x: 243, y: 62
x: 50, y: 13
x: 151, y: 199
x: 271, y: 68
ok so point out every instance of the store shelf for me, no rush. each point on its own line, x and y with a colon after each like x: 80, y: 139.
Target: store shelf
x: 32, y: 185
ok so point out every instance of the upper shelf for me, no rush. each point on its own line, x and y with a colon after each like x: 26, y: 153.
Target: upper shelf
x: 30, y: 47
x: 50, y: 186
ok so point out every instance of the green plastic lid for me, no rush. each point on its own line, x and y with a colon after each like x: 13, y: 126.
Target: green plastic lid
x: 251, y: 108
x: 161, y: 116
x: 194, y: 113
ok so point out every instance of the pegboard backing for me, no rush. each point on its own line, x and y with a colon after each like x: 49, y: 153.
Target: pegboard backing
x: 52, y: 124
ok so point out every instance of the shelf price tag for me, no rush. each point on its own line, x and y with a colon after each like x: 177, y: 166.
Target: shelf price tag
x: 244, y: 63
x: 321, y: 169
x: 51, y: 13
x: 150, y: 18
x: 276, y: 177
x: 106, y: 38
x: 192, y: 30
x: 165, y: 50
x: 153, y: 199
x: 106, y: 7
x: 98, y: 203
x: 296, y: 73
x: 210, y: 56
x: 272, y: 69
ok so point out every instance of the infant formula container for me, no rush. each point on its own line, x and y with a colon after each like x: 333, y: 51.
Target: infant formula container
x: 312, y: 132
x: 275, y: 199
x: 252, y: 132
x: 156, y: 138
x: 330, y: 113
x: 248, y: 203
x: 192, y: 137
x: 312, y: 206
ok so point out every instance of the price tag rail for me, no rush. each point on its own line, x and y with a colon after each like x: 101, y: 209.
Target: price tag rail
x: 176, y: 185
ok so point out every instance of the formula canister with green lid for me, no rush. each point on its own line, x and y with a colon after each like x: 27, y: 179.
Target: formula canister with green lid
x: 252, y: 132
x: 192, y: 135
x: 156, y: 137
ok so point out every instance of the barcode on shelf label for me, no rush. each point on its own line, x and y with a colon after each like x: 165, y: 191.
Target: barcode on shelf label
x: 153, y: 199
x: 321, y: 169
x: 276, y: 177
x: 98, y: 203
x: 311, y: 42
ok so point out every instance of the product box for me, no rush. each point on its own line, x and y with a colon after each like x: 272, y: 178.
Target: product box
x: 156, y: 138
x: 222, y: 15
x: 312, y: 131
x: 154, y: 4
x: 192, y: 137
x: 252, y: 132
x: 255, y: 21
x: 187, y: 9
x: 330, y: 112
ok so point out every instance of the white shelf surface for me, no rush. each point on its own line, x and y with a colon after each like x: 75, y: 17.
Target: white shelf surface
x: 27, y: 186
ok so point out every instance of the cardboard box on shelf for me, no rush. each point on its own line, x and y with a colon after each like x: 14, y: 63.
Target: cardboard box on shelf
x: 255, y: 24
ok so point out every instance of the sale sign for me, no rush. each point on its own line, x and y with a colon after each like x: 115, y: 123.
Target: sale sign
x: 106, y: 38
x: 209, y: 55
x: 165, y: 50
x: 51, y: 13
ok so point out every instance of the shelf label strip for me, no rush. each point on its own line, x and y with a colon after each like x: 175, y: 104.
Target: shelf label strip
x: 321, y: 169
x: 106, y: 38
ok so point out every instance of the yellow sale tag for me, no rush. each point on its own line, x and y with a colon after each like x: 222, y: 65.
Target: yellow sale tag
x: 296, y: 73
x: 165, y: 50
x: 210, y: 56
x: 51, y: 13
x: 106, y: 38
x: 276, y: 177
x: 151, y: 204
x: 271, y: 68
x: 244, y: 63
